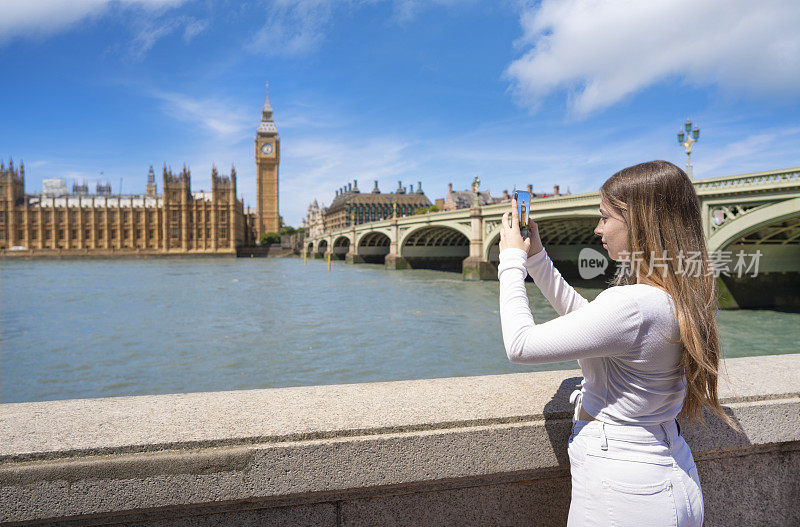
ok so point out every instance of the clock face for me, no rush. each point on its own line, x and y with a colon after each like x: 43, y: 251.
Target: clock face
x: 267, y: 149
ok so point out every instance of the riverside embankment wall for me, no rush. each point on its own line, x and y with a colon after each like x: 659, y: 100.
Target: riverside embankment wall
x: 489, y: 450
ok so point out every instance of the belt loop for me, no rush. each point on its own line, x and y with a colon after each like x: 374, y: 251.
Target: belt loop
x: 666, y: 435
x: 603, y: 439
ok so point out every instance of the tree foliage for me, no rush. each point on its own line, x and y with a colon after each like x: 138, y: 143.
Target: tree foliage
x: 425, y: 210
x: 269, y: 238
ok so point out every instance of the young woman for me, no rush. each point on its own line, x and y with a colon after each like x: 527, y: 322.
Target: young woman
x: 648, y: 348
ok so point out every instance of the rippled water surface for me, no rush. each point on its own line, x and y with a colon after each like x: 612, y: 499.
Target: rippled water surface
x: 93, y: 328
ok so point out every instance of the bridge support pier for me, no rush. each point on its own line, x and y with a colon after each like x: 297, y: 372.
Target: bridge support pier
x: 395, y: 262
x: 353, y: 258
x: 475, y: 268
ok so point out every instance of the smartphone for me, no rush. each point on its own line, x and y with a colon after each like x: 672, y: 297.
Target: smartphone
x: 523, y: 198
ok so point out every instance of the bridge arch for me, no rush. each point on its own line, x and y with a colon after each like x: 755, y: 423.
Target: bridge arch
x: 341, y: 246
x: 373, y: 247
x: 464, y: 230
x: 754, y: 221
x: 435, y: 247
x: 322, y: 247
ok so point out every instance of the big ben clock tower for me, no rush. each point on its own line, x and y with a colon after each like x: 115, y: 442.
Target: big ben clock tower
x: 267, y: 159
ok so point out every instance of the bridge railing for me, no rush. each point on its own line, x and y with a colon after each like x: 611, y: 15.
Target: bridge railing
x: 790, y: 176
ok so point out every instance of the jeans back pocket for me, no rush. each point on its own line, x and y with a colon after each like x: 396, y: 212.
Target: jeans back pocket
x: 640, y: 505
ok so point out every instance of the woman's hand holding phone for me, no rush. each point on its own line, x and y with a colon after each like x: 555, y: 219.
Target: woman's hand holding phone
x: 510, y: 237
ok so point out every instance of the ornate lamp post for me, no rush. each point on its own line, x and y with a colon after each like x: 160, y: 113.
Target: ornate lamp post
x: 686, y: 140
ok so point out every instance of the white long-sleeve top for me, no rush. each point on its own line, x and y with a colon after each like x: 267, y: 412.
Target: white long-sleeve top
x: 632, y: 373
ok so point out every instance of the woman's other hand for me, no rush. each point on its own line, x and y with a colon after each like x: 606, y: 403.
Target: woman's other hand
x: 510, y: 238
x: 535, y: 245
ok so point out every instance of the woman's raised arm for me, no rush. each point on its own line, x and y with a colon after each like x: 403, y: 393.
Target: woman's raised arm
x: 607, y: 326
x: 555, y: 289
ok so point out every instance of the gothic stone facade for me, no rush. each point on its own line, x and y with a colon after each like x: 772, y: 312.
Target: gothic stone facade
x: 177, y: 222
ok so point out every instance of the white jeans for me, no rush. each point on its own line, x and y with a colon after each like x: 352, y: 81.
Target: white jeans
x: 632, y: 475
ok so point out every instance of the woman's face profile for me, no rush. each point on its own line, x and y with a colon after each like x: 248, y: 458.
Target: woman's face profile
x: 613, y: 231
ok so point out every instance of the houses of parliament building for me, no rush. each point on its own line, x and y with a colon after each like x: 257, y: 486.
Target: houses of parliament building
x: 177, y: 221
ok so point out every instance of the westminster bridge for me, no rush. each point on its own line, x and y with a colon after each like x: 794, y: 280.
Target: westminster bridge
x: 749, y: 212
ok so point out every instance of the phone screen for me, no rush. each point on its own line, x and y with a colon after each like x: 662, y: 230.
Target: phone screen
x: 523, y: 209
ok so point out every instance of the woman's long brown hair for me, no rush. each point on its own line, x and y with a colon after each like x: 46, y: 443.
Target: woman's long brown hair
x: 662, y: 212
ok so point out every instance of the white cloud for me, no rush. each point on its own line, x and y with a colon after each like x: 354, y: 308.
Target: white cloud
x: 407, y: 10
x: 151, y: 30
x: 46, y: 17
x: 193, y: 28
x: 602, y: 52
x: 298, y: 27
x: 293, y: 27
x: 222, y: 119
x: 766, y: 149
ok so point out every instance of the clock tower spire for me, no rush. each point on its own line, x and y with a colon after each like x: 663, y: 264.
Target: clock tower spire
x: 267, y: 160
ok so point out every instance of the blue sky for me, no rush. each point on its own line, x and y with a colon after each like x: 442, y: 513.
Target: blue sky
x: 516, y: 92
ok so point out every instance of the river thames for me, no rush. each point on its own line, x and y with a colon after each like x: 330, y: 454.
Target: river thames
x: 114, y: 327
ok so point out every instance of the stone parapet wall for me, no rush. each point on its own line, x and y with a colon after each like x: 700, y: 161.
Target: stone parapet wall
x: 457, y: 451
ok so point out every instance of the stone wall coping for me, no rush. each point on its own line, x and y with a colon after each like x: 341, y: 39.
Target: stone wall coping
x: 126, y: 425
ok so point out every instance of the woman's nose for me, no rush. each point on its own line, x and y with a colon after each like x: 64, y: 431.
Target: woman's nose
x: 598, y: 230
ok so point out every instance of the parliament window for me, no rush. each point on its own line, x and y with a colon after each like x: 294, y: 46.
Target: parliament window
x: 87, y: 234
x: 74, y: 216
x: 73, y: 233
x: 176, y: 232
x: 223, y: 232
x: 112, y: 215
x: 223, y: 216
x: 113, y: 234
x: 138, y: 233
x: 125, y: 233
x: 60, y: 234
x: 47, y: 234
x: 47, y: 215
x: 2, y: 234
x: 136, y: 216
x: 34, y: 235
x: 19, y: 217
x: 150, y: 233
x: 99, y: 233
x: 20, y: 234
x: 2, y: 216
x: 60, y: 215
